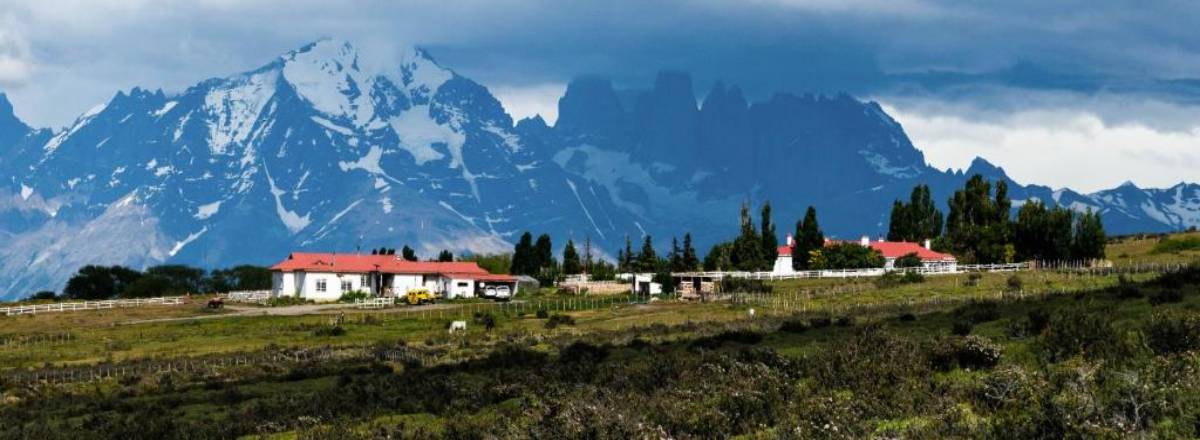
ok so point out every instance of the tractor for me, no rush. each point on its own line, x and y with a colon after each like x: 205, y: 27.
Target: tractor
x: 419, y: 296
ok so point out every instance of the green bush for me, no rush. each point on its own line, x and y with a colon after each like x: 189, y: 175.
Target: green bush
x: 1176, y: 245
x: 542, y: 314
x: 794, y: 326
x: 1173, y: 332
x: 978, y: 312
x: 1015, y: 282
x: 973, y: 279
x: 1129, y: 291
x: 820, y: 322
x: 1074, y: 331
x: 892, y: 279
x: 1166, y: 296
x: 350, y: 297
x: 557, y: 320
x: 961, y: 327
x: 972, y: 352
x: 333, y: 330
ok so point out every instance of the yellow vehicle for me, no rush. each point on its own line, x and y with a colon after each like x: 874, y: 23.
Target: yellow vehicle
x: 419, y: 296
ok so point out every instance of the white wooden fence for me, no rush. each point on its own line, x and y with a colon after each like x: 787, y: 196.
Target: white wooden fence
x: 374, y: 303
x: 89, y: 305
x: 859, y: 273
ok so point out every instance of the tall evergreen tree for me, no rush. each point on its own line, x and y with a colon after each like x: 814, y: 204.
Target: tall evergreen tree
x: 770, y: 242
x: 1090, y: 237
x: 445, y: 256
x: 809, y: 237
x: 978, y: 227
x: 747, y: 247
x: 544, y: 252
x: 626, y: 260
x: 570, y: 260
x: 408, y: 253
x: 916, y: 221
x: 588, y: 260
x: 647, y: 260
x: 676, y: 256
x: 690, y: 260
x: 523, y: 256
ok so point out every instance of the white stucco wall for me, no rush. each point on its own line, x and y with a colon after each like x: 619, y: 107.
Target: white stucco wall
x: 283, y: 284
x: 333, y: 285
x: 459, y: 288
x: 783, y: 265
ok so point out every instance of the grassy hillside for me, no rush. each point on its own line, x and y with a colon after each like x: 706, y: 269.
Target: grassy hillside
x: 1108, y: 354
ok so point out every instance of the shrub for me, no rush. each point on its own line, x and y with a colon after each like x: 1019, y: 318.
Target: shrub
x: 744, y: 285
x: 1129, y: 291
x: 908, y: 317
x: 820, y: 321
x: 349, y: 297
x: 1036, y: 321
x: 542, y: 314
x: 978, y: 312
x: 893, y: 279
x: 961, y: 327
x: 1176, y: 245
x: 1015, y: 282
x: 557, y: 320
x: 973, y: 352
x: 973, y: 279
x: 1173, y: 332
x: 844, y: 321
x: 1075, y: 331
x: 735, y: 336
x: 794, y: 326
x: 335, y: 330
x: 1166, y: 296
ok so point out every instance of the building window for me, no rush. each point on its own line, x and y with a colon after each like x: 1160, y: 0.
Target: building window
x: 320, y: 285
x: 362, y: 281
x: 347, y: 285
x: 463, y: 284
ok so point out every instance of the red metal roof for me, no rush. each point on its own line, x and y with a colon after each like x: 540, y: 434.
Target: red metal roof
x: 355, y: 263
x: 890, y: 249
x: 897, y: 249
x: 785, y: 251
x: 481, y: 277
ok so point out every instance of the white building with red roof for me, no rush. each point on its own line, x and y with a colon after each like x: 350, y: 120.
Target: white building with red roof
x: 891, y: 250
x: 326, y: 276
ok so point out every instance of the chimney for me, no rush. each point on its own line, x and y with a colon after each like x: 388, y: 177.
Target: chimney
x: 790, y: 241
x: 928, y: 244
x: 865, y: 241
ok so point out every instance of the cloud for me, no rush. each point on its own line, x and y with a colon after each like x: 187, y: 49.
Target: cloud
x: 528, y: 101
x: 1120, y: 77
x: 1056, y: 147
x: 15, y: 63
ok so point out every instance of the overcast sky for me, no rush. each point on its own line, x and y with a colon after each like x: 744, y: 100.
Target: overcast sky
x: 1085, y: 94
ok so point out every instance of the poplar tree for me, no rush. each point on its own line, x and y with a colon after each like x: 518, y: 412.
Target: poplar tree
x: 809, y: 237
x: 570, y: 259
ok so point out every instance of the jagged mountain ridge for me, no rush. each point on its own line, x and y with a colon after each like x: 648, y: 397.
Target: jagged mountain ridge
x: 312, y: 152
x: 307, y: 152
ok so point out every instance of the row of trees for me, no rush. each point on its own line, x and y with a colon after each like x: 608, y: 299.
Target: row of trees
x: 980, y: 228
x: 754, y: 249
x: 536, y: 259
x: 107, y: 282
x: 408, y: 254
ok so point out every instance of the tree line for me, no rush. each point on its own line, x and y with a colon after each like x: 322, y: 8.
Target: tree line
x: 97, y: 282
x: 980, y: 227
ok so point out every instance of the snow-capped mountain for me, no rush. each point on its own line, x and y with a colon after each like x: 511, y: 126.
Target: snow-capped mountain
x: 307, y: 152
x: 313, y: 152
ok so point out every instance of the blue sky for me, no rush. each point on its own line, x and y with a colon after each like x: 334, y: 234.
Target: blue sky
x: 1081, y: 94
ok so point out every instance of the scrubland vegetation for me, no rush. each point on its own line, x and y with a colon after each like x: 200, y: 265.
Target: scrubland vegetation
x: 1037, y: 354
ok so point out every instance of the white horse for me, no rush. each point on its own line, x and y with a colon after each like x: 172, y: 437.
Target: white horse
x: 458, y: 326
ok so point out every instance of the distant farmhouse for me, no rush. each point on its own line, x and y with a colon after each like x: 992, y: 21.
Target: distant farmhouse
x: 891, y: 250
x: 326, y: 276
